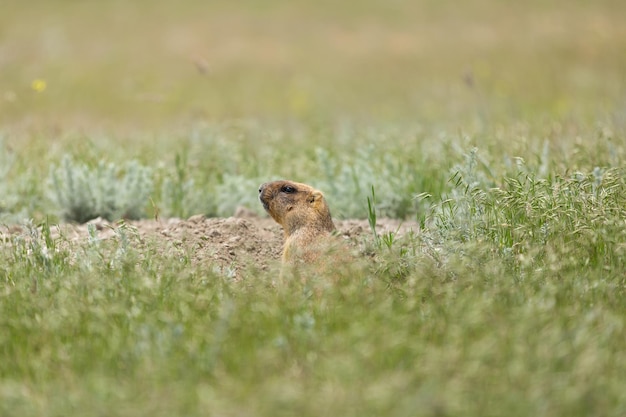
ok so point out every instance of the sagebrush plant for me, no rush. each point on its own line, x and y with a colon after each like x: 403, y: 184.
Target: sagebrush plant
x: 463, y: 205
x: 348, y: 180
x: 105, y: 190
x: 181, y: 195
x: 345, y: 180
x: 236, y: 191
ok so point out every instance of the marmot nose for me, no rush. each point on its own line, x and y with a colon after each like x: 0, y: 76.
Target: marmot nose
x: 261, y: 187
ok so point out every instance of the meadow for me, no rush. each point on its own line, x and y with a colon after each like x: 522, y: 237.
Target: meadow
x: 497, y: 129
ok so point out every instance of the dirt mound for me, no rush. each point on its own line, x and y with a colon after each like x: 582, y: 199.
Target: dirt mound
x: 228, y: 244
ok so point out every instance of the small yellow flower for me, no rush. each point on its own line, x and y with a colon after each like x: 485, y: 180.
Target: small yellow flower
x: 38, y: 85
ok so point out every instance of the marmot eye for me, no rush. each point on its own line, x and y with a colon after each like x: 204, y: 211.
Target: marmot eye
x: 288, y: 189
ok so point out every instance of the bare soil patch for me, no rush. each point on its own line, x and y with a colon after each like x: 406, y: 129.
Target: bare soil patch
x: 226, y: 243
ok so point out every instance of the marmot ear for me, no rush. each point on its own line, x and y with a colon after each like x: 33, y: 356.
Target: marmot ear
x: 315, y: 196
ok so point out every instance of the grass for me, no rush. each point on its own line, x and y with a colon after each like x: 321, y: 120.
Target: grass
x: 501, y: 128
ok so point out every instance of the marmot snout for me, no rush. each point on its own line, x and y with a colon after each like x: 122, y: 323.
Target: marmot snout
x: 303, y: 213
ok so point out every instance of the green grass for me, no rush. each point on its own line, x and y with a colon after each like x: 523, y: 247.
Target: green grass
x: 500, y: 127
x: 436, y: 325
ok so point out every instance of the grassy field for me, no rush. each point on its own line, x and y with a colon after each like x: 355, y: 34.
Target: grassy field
x: 499, y: 127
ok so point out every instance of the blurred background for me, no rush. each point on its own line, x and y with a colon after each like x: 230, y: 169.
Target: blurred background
x: 154, y: 65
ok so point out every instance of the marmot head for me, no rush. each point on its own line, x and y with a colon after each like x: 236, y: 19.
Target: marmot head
x: 294, y: 205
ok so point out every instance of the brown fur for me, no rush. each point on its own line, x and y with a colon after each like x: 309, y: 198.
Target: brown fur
x: 303, y: 213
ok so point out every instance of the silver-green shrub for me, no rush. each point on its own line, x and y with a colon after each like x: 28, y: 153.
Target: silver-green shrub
x: 462, y: 207
x: 105, y: 190
x: 181, y: 195
x: 348, y: 183
x: 235, y: 191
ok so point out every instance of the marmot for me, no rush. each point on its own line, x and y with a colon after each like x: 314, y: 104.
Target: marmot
x: 304, y: 215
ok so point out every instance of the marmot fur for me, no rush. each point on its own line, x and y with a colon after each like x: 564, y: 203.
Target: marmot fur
x: 303, y: 213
